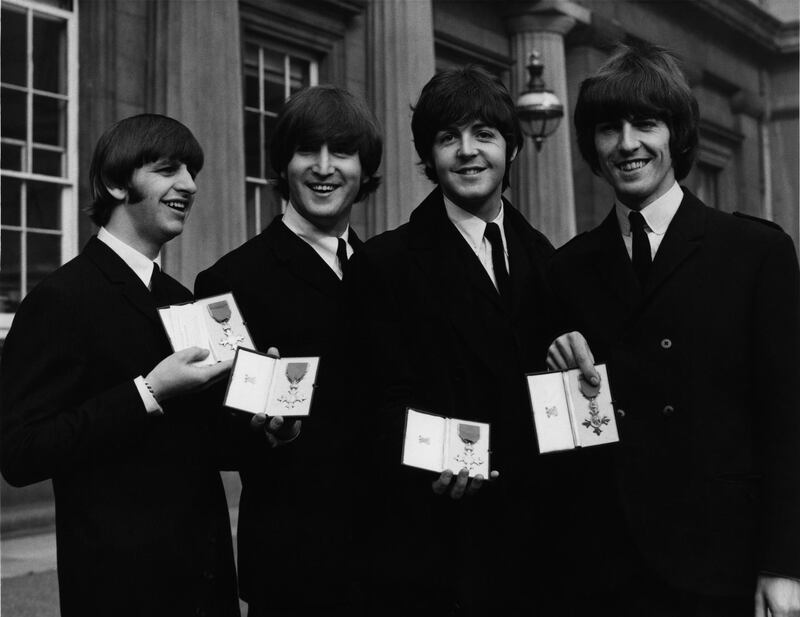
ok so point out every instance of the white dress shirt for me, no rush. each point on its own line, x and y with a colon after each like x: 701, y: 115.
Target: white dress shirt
x: 657, y: 217
x: 323, y: 244
x: 142, y: 267
x: 473, y: 228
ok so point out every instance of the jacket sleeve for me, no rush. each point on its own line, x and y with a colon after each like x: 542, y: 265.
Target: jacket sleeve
x: 776, y: 362
x: 53, y: 416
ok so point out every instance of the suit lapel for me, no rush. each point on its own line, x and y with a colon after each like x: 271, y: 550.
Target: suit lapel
x: 684, y: 236
x: 519, y: 262
x: 300, y: 259
x: 612, y: 265
x: 119, y: 274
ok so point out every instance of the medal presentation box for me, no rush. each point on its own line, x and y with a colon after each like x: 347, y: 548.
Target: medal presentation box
x: 213, y: 323
x: 569, y: 412
x: 275, y: 386
x: 437, y: 443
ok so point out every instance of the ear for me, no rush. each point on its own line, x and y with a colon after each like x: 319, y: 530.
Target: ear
x: 513, y: 155
x: 118, y: 193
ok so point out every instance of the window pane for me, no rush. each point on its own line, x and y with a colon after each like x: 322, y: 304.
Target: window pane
x: 11, y: 156
x: 252, y: 144
x: 251, y: 199
x: 274, y: 81
x: 44, y: 256
x: 14, y: 114
x: 269, y: 130
x: 48, y: 162
x: 251, y: 76
x: 10, y: 209
x: 49, y: 54
x: 10, y: 277
x: 44, y: 205
x: 49, y: 120
x: 12, y: 52
x: 298, y: 75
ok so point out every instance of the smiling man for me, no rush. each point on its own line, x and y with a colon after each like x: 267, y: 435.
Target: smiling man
x: 326, y: 149
x: 93, y: 398
x: 696, y: 313
x: 450, y: 311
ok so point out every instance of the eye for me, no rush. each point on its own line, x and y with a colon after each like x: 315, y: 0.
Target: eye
x: 646, y: 124
x: 445, y: 138
x: 604, y: 128
x: 485, y: 134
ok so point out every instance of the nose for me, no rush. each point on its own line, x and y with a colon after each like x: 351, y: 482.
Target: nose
x: 466, y: 146
x: 628, y: 137
x: 184, y: 181
x: 322, y: 164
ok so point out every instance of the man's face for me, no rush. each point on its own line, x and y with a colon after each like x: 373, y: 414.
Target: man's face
x: 470, y: 162
x: 159, y: 198
x: 635, y: 159
x: 323, y: 185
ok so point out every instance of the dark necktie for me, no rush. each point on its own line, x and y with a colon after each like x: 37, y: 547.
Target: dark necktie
x: 158, y: 288
x: 492, y: 234
x: 641, y: 246
x: 341, y: 255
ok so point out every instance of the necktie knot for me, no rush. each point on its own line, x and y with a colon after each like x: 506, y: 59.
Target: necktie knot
x: 492, y: 234
x: 640, y: 253
x: 341, y: 255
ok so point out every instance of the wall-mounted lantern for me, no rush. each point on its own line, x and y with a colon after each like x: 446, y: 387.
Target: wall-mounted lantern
x: 539, y: 110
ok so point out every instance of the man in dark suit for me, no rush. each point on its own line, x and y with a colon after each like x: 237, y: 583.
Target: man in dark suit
x: 93, y: 398
x: 449, y: 312
x: 697, y: 509
x: 326, y: 150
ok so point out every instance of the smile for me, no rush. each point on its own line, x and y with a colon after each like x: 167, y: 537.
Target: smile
x: 323, y: 188
x: 632, y: 165
x: 178, y: 206
x: 469, y: 171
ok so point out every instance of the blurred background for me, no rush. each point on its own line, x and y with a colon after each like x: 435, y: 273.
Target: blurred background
x: 70, y: 68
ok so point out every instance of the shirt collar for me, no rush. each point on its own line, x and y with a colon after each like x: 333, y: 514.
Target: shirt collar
x: 657, y: 215
x: 141, y: 265
x: 307, y: 231
x: 471, y: 227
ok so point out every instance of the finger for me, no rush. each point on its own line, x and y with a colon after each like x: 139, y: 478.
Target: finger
x: 258, y: 421
x: 494, y: 474
x: 441, y: 483
x: 273, y: 352
x: 271, y: 439
x: 215, y: 370
x: 564, y: 344
x: 554, y: 356
x: 460, y: 485
x: 475, y: 485
x: 275, y: 423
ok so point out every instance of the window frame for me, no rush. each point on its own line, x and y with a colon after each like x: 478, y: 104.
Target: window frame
x: 69, y: 181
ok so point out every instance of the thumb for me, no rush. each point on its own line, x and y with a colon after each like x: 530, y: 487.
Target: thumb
x: 273, y: 352
x: 193, y: 354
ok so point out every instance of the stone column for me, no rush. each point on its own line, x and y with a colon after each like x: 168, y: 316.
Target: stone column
x: 542, y: 186
x: 195, y: 73
x: 401, y: 61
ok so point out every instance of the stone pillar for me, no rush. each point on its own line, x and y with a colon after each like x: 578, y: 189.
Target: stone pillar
x: 401, y: 61
x: 542, y: 182
x: 195, y: 73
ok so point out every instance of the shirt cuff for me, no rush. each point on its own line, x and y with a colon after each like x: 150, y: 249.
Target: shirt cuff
x: 150, y: 402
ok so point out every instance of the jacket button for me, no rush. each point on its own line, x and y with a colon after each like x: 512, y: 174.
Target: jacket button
x: 668, y: 410
x: 666, y: 343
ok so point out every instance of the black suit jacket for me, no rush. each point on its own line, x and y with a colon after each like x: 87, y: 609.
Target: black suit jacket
x: 141, y: 519
x: 294, y: 513
x: 432, y: 333
x: 703, y: 363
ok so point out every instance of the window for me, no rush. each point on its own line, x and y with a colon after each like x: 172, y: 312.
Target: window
x: 271, y: 75
x: 38, y: 147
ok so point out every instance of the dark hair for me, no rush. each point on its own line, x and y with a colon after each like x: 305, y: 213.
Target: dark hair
x: 327, y: 115
x: 457, y: 97
x: 132, y: 143
x: 641, y: 80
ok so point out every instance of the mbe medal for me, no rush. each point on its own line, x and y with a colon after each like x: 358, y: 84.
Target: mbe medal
x: 295, y: 371
x: 221, y: 313
x: 595, y: 421
x: 469, y: 435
